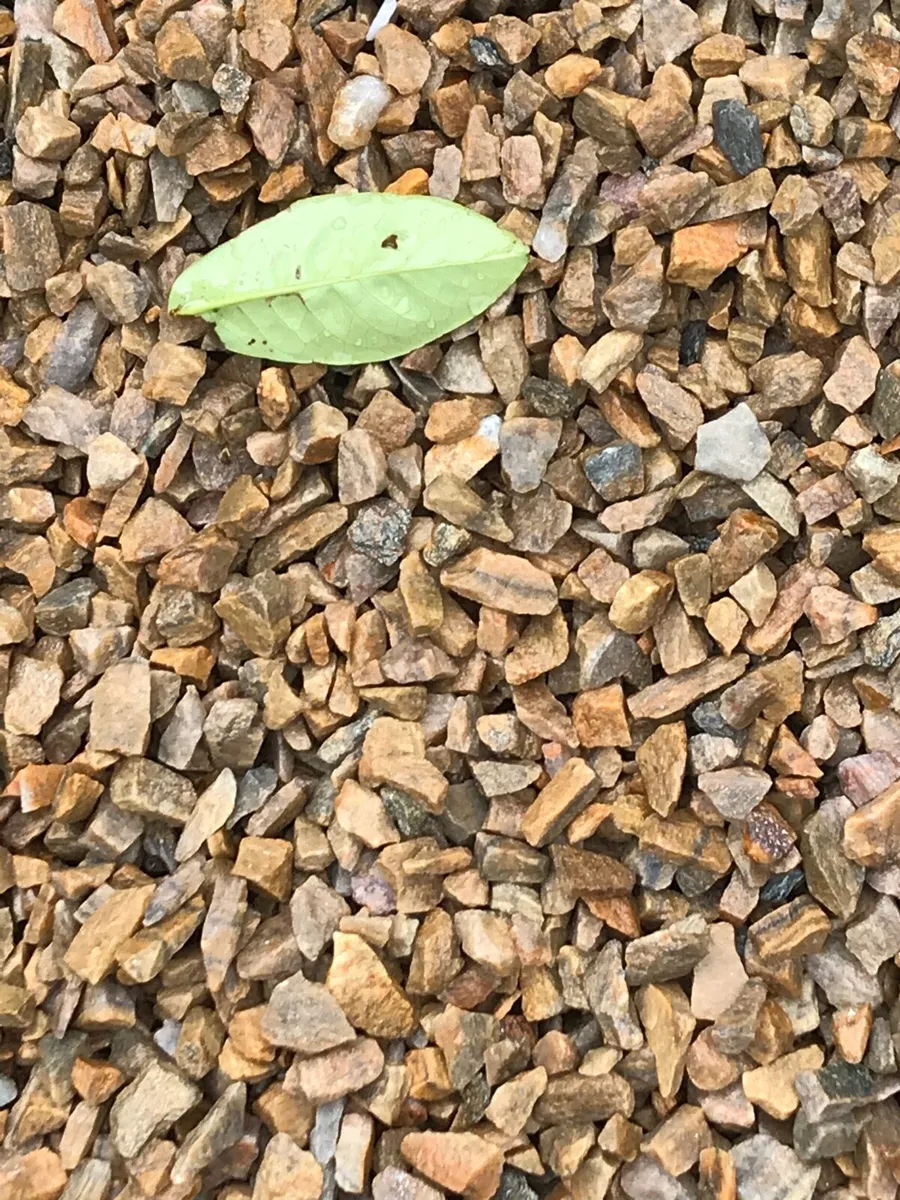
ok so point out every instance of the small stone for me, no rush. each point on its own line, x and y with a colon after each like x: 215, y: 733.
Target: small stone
x: 46, y: 135
x: 362, y: 467
x: 834, y: 880
x: 119, y: 294
x: 37, y: 1175
x: 120, y: 712
x: 669, y: 1026
x: 287, y: 1172
x: 92, y: 953
x: 88, y: 24
x: 607, y: 994
x: 369, y: 997
x: 641, y: 601
x: 608, y: 356
x: 733, y: 446
x: 336, y: 1073
x: 379, y: 530
x: 110, y: 462
x: 305, y: 1017
x: 501, y: 581
x: 771, y: 1087
x: 33, y: 693
x: 30, y: 245
x: 562, y: 799
x: 405, y: 63
x: 662, y: 759
x: 265, y: 862
x: 872, y: 833
x: 214, y: 806
x: 172, y: 372
x: 670, y: 28
x: 394, y: 1184
x: 769, y: 1170
x: 357, y: 107
x: 719, y: 976
x: 526, y: 446
x: 677, y: 411
x: 853, y: 381
x: 876, y: 937
x: 735, y: 791
x: 668, y: 954
x: 616, y: 471
x: 737, y: 133
x: 600, y: 719
x: 462, y: 1162
x: 512, y: 1103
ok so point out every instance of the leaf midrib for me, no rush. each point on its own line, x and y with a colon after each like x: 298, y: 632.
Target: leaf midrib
x: 300, y: 289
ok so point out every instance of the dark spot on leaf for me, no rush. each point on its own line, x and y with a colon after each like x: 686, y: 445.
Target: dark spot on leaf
x: 390, y: 242
x: 296, y: 272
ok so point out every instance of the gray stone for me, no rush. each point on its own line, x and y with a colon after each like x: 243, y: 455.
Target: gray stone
x: 876, y: 937
x: 813, y: 1140
x: 831, y: 877
x: 735, y: 791
x: 212, y: 1136
x: 67, y: 607
x: 564, y: 206
x: 616, y: 471
x: 670, y: 28
x: 305, y: 1017
x: 144, y: 787
x: 833, y: 1092
x: 768, y: 1170
x: 881, y: 642
x: 871, y: 473
x: 70, y: 360
x: 670, y: 953
x: 170, y: 181
x: 841, y: 977
x: 316, y: 913
x: 645, y: 1179
x: 607, y: 995
x: 733, y: 446
x: 59, y: 416
x: 737, y: 133
x: 379, y: 530
x: 149, y: 1107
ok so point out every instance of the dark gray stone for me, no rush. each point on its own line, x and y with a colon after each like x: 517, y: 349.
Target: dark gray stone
x: 71, y: 358
x: 548, y: 398
x: 67, y: 607
x: 379, y: 530
x: 616, y: 471
x: 833, y: 1092
x: 738, y: 135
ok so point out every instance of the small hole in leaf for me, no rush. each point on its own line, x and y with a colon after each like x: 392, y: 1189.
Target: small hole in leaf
x: 390, y: 242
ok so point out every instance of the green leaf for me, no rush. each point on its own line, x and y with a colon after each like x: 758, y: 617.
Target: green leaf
x: 351, y: 278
